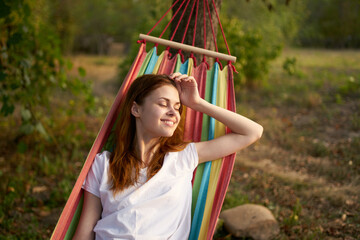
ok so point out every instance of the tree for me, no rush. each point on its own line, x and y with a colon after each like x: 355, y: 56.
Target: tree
x: 199, y: 35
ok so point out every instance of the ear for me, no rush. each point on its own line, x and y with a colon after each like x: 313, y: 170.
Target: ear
x: 135, y: 109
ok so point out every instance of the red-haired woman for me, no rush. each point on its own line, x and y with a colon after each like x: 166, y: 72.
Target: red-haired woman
x: 142, y: 190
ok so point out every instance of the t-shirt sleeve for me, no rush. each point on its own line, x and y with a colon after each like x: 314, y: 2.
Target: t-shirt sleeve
x: 189, y: 158
x: 95, y: 174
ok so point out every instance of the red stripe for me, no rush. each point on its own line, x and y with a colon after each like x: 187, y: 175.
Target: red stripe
x: 199, y: 74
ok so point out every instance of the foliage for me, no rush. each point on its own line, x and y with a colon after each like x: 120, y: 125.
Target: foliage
x: 332, y: 24
x: 253, y: 53
x: 280, y: 25
x: 32, y: 68
x: 256, y: 35
x: 91, y: 26
x: 290, y: 66
x: 350, y: 87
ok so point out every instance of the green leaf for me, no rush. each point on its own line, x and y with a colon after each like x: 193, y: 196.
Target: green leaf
x: 52, y: 79
x: 2, y: 76
x: 26, y: 10
x: 82, y: 71
x: 4, y: 9
x: 15, y: 38
x: 25, y: 114
x: 69, y: 65
x: 27, y: 128
x: 26, y: 78
x: 7, y: 107
x: 21, y: 147
x: 40, y: 128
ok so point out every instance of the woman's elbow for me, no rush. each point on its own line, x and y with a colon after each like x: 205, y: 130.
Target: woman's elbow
x: 257, y: 133
x: 260, y: 131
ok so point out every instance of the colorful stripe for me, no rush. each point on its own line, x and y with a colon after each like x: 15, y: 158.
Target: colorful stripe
x: 216, y: 164
x: 202, y: 195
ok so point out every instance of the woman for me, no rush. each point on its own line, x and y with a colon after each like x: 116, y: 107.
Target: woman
x: 143, y: 189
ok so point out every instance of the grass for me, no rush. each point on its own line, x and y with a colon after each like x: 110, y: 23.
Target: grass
x: 305, y: 169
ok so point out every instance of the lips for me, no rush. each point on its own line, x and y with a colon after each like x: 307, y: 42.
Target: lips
x: 168, y: 122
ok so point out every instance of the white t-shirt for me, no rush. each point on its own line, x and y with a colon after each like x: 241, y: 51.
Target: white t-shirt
x: 157, y: 209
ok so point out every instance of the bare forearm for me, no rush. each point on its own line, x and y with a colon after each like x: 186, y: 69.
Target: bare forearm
x: 236, y: 123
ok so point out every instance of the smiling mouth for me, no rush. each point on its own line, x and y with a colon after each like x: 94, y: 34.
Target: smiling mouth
x: 168, y: 122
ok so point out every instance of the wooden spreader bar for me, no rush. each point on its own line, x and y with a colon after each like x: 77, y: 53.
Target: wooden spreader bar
x: 187, y: 48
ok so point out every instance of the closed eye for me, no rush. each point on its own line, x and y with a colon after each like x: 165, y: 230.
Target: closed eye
x: 166, y: 102
x: 177, y: 107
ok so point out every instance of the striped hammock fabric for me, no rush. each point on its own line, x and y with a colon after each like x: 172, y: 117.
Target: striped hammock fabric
x: 210, y: 180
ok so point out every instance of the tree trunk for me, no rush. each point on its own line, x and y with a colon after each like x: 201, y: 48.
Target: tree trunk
x: 199, y: 35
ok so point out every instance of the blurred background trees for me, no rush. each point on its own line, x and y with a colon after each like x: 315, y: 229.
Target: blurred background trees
x: 35, y: 35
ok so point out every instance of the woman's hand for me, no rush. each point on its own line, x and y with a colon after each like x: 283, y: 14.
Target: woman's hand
x: 188, y: 90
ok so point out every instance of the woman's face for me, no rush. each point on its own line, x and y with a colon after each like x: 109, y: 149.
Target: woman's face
x: 159, y: 114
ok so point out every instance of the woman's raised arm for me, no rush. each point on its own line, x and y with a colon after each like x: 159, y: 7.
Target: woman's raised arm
x: 244, y: 130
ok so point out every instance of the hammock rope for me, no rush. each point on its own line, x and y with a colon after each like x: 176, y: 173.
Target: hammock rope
x: 174, y: 15
x: 180, y: 19
x: 206, y: 8
x: 212, y: 27
x: 162, y: 17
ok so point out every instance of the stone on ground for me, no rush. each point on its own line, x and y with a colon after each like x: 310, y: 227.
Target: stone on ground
x: 250, y: 220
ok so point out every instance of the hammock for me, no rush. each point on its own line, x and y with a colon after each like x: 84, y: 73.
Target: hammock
x: 211, y: 179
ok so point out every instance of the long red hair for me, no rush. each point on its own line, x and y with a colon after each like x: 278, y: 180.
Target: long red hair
x: 124, y: 162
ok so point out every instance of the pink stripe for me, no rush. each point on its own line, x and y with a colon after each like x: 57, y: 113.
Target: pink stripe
x: 199, y: 74
x: 167, y: 64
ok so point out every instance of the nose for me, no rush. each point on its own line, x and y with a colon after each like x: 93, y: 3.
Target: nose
x: 172, y: 111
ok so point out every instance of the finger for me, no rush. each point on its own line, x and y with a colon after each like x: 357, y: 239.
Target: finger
x: 175, y: 75
x: 182, y: 77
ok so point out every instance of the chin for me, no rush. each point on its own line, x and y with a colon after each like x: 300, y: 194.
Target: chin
x: 168, y: 134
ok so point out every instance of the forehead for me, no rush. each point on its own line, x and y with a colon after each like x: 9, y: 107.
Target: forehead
x: 166, y: 91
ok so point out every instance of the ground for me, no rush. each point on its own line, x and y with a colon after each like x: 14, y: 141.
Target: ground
x: 305, y: 168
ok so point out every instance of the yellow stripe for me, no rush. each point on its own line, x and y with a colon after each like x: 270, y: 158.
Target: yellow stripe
x: 190, y: 66
x: 158, y: 62
x: 215, y: 165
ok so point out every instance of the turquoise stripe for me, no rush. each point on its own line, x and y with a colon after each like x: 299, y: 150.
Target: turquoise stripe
x: 200, y: 205
x: 152, y: 62
x: 213, y: 100
x: 204, y: 137
x: 184, y: 67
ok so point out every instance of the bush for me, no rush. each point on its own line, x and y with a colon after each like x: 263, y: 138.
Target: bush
x: 32, y: 68
x: 253, y: 53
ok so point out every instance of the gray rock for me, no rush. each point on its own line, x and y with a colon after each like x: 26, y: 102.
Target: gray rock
x: 250, y: 220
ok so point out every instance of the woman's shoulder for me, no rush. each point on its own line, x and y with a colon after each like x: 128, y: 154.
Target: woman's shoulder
x: 189, y: 149
x: 103, y: 155
x: 188, y: 157
x: 102, y: 158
